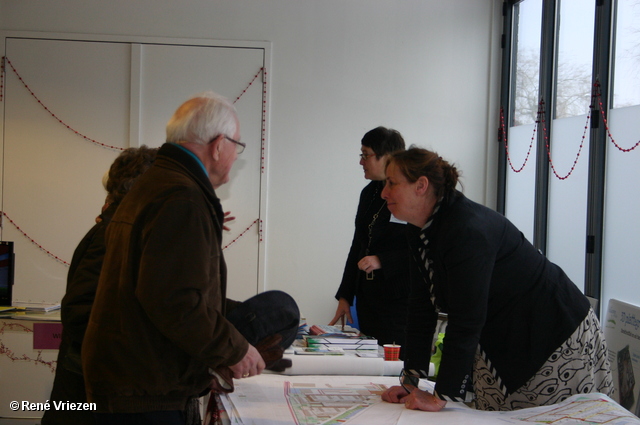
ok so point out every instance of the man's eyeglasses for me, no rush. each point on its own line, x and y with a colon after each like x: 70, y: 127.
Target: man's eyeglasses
x: 239, y: 145
x: 365, y: 156
x: 408, y: 381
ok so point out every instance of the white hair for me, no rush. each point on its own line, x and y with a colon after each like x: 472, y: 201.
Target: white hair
x: 201, y: 119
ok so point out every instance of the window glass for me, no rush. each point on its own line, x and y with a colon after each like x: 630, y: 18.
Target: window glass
x: 621, y: 267
x: 528, y: 22
x: 626, y: 80
x: 575, y: 58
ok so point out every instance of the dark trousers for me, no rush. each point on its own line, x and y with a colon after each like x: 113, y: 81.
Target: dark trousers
x: 258, y: 317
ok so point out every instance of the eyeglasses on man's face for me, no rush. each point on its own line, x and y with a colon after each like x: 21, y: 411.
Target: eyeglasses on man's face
x: 239, y: 145
x: 365, y: 156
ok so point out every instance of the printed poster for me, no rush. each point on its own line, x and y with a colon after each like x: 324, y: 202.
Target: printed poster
x: 622, y: 332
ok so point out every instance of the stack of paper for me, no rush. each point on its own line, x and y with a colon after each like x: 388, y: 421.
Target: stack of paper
x: 319, y: 350
x: 344, y: 343
x: 332, y: 330
x: 335, y: 340
x: 30, y: 306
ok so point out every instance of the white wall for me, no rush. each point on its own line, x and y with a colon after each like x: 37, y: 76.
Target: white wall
x: 428, y: 68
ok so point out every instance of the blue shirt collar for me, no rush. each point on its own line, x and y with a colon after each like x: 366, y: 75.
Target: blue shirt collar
x: 194, y: 156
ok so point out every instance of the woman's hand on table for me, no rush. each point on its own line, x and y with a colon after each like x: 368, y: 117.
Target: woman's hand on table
x: 416, y: 400
x: 394, y: 394
x: 343, y: 310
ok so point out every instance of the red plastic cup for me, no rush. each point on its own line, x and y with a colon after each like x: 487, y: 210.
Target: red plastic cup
x: 391, y: 352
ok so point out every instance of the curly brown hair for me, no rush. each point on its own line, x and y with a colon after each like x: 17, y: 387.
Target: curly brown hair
x: 126, y: 169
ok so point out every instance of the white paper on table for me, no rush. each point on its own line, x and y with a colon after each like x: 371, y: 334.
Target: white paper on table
x: 452, y: 414
x: 261, y: 400
x: 381, y: 413
x: 580, y: 409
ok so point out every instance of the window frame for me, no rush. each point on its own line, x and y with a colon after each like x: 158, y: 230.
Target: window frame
x: 601, y: 74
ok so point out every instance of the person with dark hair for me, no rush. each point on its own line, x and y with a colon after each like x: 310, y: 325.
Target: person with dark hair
x: 162, y: 331
x: 519, y: 332
x: 376, y: 276
x: 82, y: 281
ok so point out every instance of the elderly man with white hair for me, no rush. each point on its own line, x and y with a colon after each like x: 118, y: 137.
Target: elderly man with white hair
x: 161, y: 323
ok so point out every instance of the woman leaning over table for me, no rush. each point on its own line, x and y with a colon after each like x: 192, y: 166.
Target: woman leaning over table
x: 519, y: 334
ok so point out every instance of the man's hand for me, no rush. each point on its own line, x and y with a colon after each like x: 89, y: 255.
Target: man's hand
x: 227, y: 218
x: 271, y: 352
x: 250, y: 365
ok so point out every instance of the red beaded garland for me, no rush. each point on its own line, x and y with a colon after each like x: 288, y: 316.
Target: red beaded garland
x: 596, y: 96
x: 262, y: 147
x: 2, y: 78
x: 506, y: 146
x: 4, y: 351
x: 249, y: 85
x: 49, y: 253
x: 52, y: 364
x: 104, y: 145
x: 241, y: 235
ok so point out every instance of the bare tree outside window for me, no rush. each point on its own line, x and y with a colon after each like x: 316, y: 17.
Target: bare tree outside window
x: 573, y: 95
x: 626, y: 82
x: 572, y: 71
x: 527, y: 62
x: 573, y: 90
x: 527, y: 85
x: 574, y: 60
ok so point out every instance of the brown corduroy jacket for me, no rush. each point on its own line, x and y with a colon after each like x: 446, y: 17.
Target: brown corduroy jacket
x: 158, y: 323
